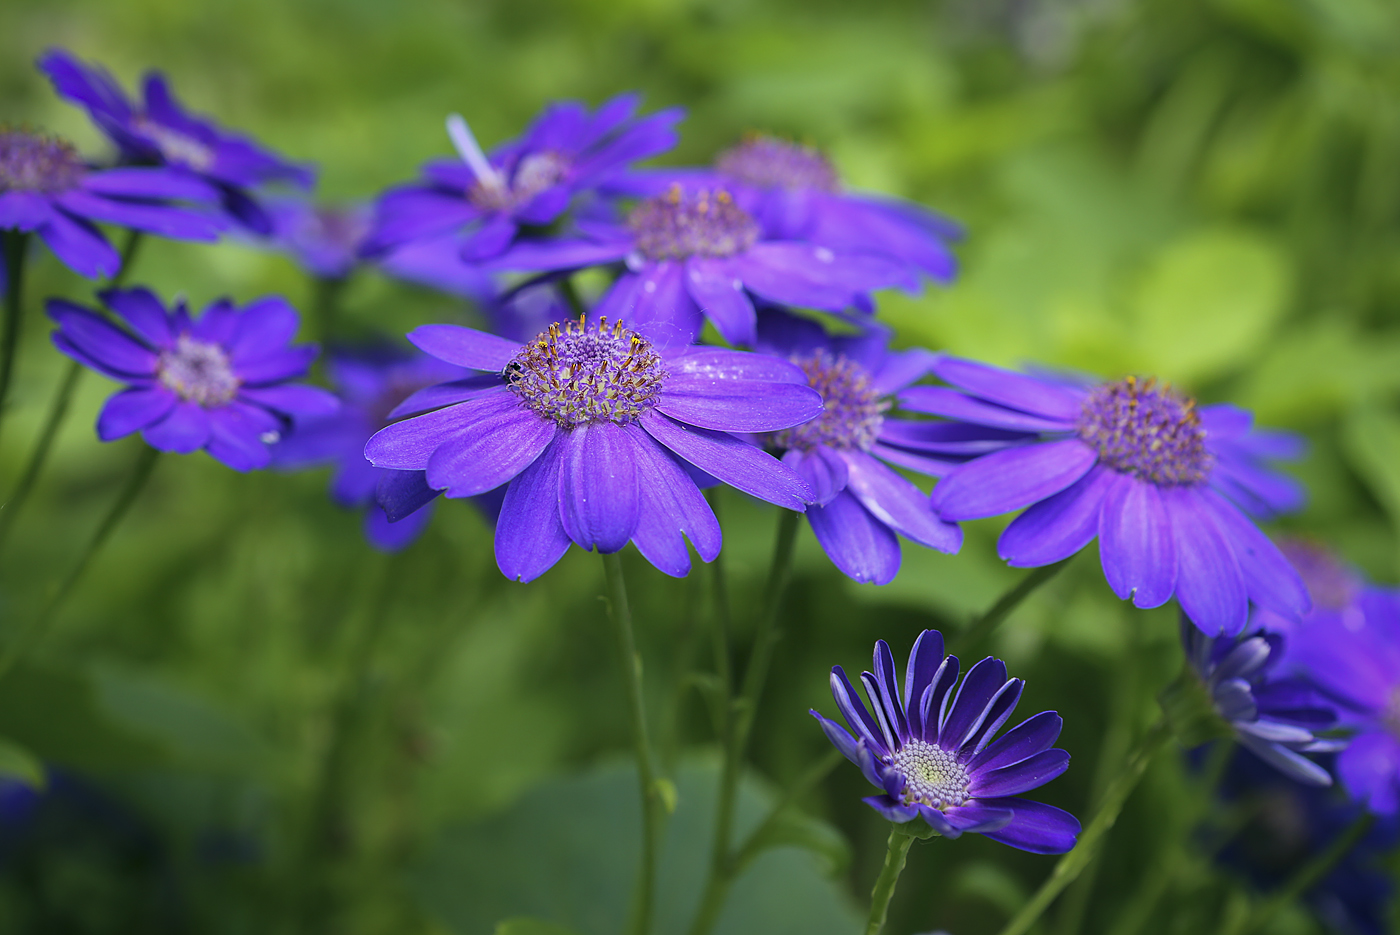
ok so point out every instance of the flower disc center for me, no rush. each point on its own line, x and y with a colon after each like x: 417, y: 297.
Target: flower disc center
x: 853, y: 412
x: 679, y: 224
x: 198, y: 371
x: 176, y: 146
x: 576, y: 374
x: 533, y: 174
x: 1147, y: 431
x: 33, y: 163
x: 768, y: 162
x: 932, y: 776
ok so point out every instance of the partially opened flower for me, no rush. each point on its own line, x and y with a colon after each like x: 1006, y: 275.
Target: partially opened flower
x: 370, y: 384
x: 596, y: 431
x: 1131, y: 462
x: 930, y: 748
x: 45, y: 187
x: 1276, y: 718
x: 526, y: 182
x: 159, y: 131
x: 694, y: 253
x: 219, y: 382
x: 862, y: 505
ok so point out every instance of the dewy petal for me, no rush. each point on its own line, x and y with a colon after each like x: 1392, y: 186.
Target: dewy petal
x: 735, y: 462
x: 671, y: 506
x: 1136, y: 545
x: 600, y: 502
x: 465, y: 347
x: 1011, y: 479
x: 822, y: 468
x: 184, y: 430
x: 721, y: 297
x: 859, y: 545
x: 1008, y: 388
x: 132, y: 410
x: 1209, y: 585
x: 143, y: 312
x: 1026, y: 739
x: 1036, y: 827
x: 656, y: 303
x: 1059, y: 526
x: 407, y: 445
x: 1270, y: 579
x: 100, y: 340
x: 732, y: 391
x: 500, y: 440
x: 529, y: 535
x: 897, y: 503
x: 1031, y: 773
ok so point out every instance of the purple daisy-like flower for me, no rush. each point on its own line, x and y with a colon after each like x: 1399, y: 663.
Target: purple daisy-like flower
x: 45, y: 187
x: 159, y: 131
x: 219, y: 382
x: 1275, y: 718
x: 694, y: 253
x: 596, y: 432
x: 370, y: 384
x: 931, y: 748
x: 527, y: 182
x: 1141, y: 468
x: 324, y: 239
x: 861, y: 503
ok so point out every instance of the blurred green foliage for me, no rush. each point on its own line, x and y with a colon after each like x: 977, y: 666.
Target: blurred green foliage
x: 268, y: 728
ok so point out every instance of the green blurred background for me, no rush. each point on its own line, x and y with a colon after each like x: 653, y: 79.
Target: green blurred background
x: 266, y: 727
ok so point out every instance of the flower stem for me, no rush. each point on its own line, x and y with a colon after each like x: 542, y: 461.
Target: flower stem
x: 977, y: 632
x: 1304, y: 879
x: 14, y: 245
x: 1073, y: 863
x: 569, y: 292
x: 621, y: 615
x: 889, y: 876
x: 753, y: 844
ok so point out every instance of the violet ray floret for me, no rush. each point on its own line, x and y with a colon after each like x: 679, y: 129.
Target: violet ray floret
x: 934, y: 752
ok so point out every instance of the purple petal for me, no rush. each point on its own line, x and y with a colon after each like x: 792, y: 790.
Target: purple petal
x: 1016, y: 390
x: 897, y: 503
x: 822, y: 468
x: 407, y: 445
x: 24, y: 211
x: 533, y: 256
x: 1024, y: 740
x: 80, y: 246
x: 402, y: 493
x: 901, y: 369
x: 494, y: 441
x: 1222, y: 420
x: 386, y: 536
x: 839, y: 737
x: 217, y: 323
x: 1369, y: 767
x: 1293, y: 765
x: 280, y: 365
x: 184, y: 430
x: 671, y: 506
x: 293, y: 399
x: 1269, y: 578
x: 733, y: 391
x: 465, y: 347
x: 721, y: 297
x: 991, y: 719
x: 447, y: 394
x: 735, y: 462
x: 891, y: 810
x: 933, y: 704
x: 924, y: 659
x: 888, y: 682
x: 489, y: 240
x: 1031, y: 773
x: 143, y: 312
x: 116, y: 350
x: 598, y: 495
x: 162, y: 220
x: 132, y: 410
x: 862, y: 547
x: 655, y: 302
x: 1036, y: 827
x: 529, y: 535
x: 264, y: 326
x: 982, y: 682
x: 858, y: 718
x: 1135, y: 542
x: 1011, y: 479
x: 976, y: 818
x: 951, y: 404
x: 1209, y: 585
x: 939, y: 822
x: 1059, y: 526
x: 235, y: 437
x: 151, y: 182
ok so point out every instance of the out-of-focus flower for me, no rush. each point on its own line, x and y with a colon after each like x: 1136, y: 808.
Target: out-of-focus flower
x: 370, y: 385
x: 694, y: 253
x: 324, y: 239
x: 1274, y: 717
x: 592, y: 428
x: 1136, y: 465
x: 931, y: 749
x: 861, y: 503
x: 220, y: 383
x: 159, y: 131
x: 527, y: 182
x: 45, y: 187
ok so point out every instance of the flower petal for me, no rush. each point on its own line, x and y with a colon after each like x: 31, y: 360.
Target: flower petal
x: 599, y: 499
x: 978, y: 687
x: 1058, y: 526
x: 720, y: 389
x: 1031, y: 773
x: 720, y: 295
x: 1011, y: 479
x: 858, y: 718
x: 1269, y: 578
x: 498, y: 443
x: 402, y: 493
x: 133, y: 409
x: 976, y: 818
x: 529, y: 535
x: 293, y: 399
x: 951, y: 404
x: 184, y: 430
x: 264, y: 326
x: 822, y: 468
x: 116, y: 350
x: 1135, y: 542
x: 1209, y: 585
x: 143, y: 312
x: 732, y: 460
x: 672, y: 506
x: 407, y: 445
x: 1036, y: 827
x: 897, y: 503
x: 80, y: 245
x: 862, y: 547
x: 1024, y: 740
x: 1009, y: 388
x: 465, y: 347
x: 924, y: 659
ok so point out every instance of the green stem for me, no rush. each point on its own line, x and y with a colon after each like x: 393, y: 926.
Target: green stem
x: 145, y: 463
x: 326, y: 303
x: 889, y: 876
x: 1306, y: 877
x: 1072, y: 864
x: 621, y: 616
x: 14, y: 243
x: 754, y: 843
x: 134, y: 239
x: 569, y: 292
x: 977, y: 632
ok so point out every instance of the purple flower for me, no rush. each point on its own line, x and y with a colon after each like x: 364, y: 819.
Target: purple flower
x: 597, y: 432
x: 1143, y: 469
x: 46, y: 188
x: 158, y: 131
x: 861, y: 504
x: 219, y: 383
x: 694, y: 253
x: 932, y: 752
x: 324, y: 239
x: 371, y: 384
x: 1275, y: 718
x: 527, y: 182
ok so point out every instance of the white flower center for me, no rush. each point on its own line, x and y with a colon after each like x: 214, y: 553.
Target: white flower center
x: 933, y: 776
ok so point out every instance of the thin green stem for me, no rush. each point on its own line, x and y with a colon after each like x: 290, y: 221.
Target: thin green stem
x: 569, y: 291
x: 326, y: 303
x: 980, y: 629
x: 753, y: 844
x: 1304, y: 879
x: 1073, y: 863
x: 621, y: 615
x: 145, y: 463
x: 14, y: 243
x: 889, y: 876
x: 134, y: 239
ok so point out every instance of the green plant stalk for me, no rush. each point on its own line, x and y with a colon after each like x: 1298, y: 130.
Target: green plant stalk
x: 145, y: 463
x: 14, y: 243
x: 754, y: 842
x: 1073, y: 863
x: 569, y: 292
x: 621, y: 614
x: 980, y: 629
x: 889, y: 876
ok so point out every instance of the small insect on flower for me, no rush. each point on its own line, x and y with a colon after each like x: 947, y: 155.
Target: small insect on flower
x: 595, y: 433
x: 1159, y: 481
x: 931, y: 748
x: 219, y: 382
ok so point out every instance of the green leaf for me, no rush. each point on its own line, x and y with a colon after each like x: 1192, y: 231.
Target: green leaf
x: 524, y: 926
x: 794, y: 829
x: 17, y: 763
